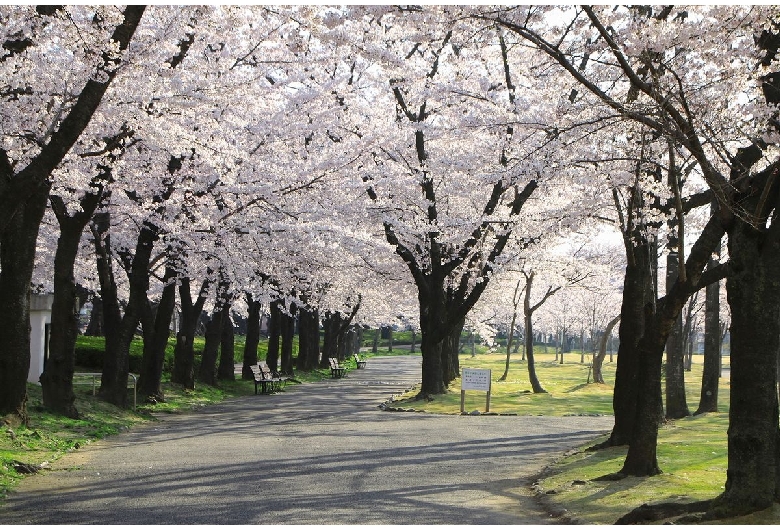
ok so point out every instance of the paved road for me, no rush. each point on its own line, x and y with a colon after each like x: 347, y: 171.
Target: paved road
x: 320, y: 453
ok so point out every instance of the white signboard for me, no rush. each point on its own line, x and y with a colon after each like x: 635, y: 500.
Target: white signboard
x: 475, y: 379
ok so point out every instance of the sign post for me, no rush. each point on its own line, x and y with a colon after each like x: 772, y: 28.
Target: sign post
x: 475, y: 379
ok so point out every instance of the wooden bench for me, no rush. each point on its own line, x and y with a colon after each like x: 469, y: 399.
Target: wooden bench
x: 336, y: 370
x: 280, y: 379
x: 266, y: 380
x: 360, y: 363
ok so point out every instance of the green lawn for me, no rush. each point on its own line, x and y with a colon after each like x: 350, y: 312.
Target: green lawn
x: 568, y: 389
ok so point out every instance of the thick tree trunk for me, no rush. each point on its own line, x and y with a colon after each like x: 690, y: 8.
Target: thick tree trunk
x: 252, y: 337
x: 637, y: 292
x: 433, y: 327
x: 336, y: 326
x: 288, y: 334
x: 450, y: 351
x: 112, y: 317
x: 17, y: 255
x: 95, y: 325
x: 274, y: 334
x: 342, y: 342
x: 208, y: 361
x: 226, y: 370
x: 753, y: 291
x: 432, y: 380
x: 753, y: 294
x: 375, y: 345
x: 330, y: 342
x: 641, y: 459
x: 359, y: 338
x: 314, y: 346
x: 711, y: 372
x: 659, y: 319
x: 676, y: 403
x: 157, y: 329
x: 308, y: 339
x: 183, y: 372
x: 116, y: 368
x: 116, y: 364
x: 57, y: 377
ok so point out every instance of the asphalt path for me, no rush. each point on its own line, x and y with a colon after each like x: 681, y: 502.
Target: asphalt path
x: 319, y: 453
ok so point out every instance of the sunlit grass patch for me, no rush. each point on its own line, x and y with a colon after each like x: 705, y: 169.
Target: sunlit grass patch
x: 570, y: 388
x: 568, y: 391
x: 691, y: 454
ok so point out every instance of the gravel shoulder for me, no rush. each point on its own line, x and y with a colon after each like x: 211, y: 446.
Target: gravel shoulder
x: 320, y: 453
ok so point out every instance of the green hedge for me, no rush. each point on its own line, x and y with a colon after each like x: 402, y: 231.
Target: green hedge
x: 91, y: 350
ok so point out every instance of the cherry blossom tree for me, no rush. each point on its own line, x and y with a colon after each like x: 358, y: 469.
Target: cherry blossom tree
x: 35, y: 143
x: 650, y: 61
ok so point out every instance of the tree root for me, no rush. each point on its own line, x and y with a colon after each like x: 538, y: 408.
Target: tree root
x: 693, y: 512
x: 606, y: 444
x: 611, y: 477
x: 423, y: 397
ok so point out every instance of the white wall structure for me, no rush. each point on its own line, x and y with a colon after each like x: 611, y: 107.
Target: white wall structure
x: 40, y: 316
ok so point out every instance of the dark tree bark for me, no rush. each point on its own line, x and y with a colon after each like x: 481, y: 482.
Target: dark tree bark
x: 659, y: 318
x: 330, y: 325
x: 274, y: 334
x: 157, y: 329
x: 116, y: 366
x: 226, y: 370
x: 17, y: 255
x: 287, y: 336
x: 213, y: 336
x: 708, y: 402
x: 375, y: 345
x: 359, y: 337
x: 638, y: 292
x: 676, y: 403
x: 95, y: 325
x: 252, y: 337
x: 753, y: 294
x: 57, y: 377
x: 450, y: 351
x: 23, y: 197
x: 335, y: 325
x: 208, y: 361
x: 753, y: 291
x: 114, y: 379
x: 183, y: 372
x: 308, y: 339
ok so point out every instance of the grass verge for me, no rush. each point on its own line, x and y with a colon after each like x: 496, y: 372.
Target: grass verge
x: 692, y: 453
